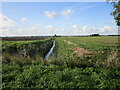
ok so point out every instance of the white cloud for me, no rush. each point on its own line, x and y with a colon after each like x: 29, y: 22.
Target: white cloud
x: 111, y: 23
x: 62, y: 29
x: 24, y: 19
x: 49, y: 27
x: 50, y: 14
x: 67, y: 12
x: 10, y: 28
x: 59, y: 30
x: 76, y: 26
x: 6, y: 22
x: 29, y: 31
x: 7, y: 32
x: 108, y: 30
x: 88, y: 7
x: 38, y: 25
x: 33, y: 28
x: 6, y: 25
x: 75, y: 29
x: 52, y: 30
x: 85, y: 30
x: 105, y: 29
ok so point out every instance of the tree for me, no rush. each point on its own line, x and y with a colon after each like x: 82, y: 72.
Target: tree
x: 95, y: 34
x: 55, y: 35
x: 116, y: 10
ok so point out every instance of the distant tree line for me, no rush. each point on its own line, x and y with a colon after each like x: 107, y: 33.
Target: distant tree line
x: 95, y: 34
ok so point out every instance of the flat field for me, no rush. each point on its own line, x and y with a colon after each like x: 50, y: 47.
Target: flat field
x: 76, y: 62
x: 101, y: 47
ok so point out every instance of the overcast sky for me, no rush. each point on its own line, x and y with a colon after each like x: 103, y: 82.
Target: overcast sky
x: 61, y: 18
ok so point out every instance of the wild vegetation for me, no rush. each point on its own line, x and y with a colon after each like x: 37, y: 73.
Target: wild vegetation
x: 76, y: 62
x: 17, y: 51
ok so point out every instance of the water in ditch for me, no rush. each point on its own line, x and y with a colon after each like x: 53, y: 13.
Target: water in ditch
x: 50, y: 51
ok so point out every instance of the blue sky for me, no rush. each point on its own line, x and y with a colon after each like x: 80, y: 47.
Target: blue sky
x: 63, y: 18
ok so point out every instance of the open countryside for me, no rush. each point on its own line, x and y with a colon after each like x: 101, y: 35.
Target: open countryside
x: 75, y: 62
x: 59, y: 53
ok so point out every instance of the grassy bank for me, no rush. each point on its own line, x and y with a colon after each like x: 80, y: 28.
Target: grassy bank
x: 17, y: 51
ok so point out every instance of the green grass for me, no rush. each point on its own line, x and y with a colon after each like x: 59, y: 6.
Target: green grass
x: 101, y: 52
x: 66, y: 70
x: 93, y: 43
x: 18, y: 43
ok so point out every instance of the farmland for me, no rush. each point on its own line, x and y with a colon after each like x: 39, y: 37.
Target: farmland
x: 87, y: 51
x: 22, y: 38
x: 76, y: 62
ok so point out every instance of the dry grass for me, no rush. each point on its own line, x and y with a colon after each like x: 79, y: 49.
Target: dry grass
x: 81, y: 52
x: 113, y: 59
x: 6, y: 57
x: 78, y: 51
x: 69, y: 43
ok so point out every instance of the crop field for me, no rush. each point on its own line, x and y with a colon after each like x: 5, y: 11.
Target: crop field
x: 76, y: 62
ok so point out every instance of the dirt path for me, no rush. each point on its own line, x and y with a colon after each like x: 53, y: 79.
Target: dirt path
x: 78, y: 51
x: 69, y: 43
x: 113, y: 59
x: 81, y: 52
